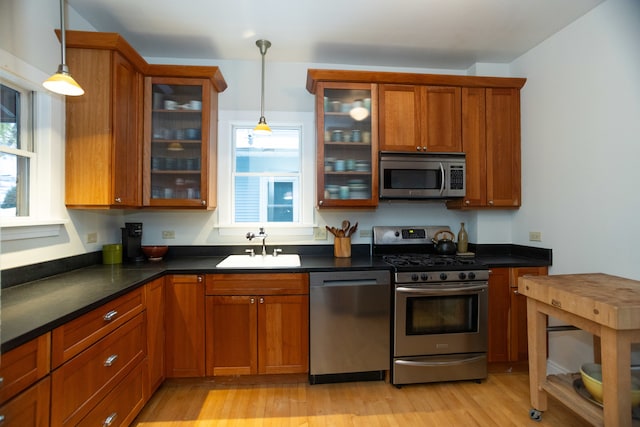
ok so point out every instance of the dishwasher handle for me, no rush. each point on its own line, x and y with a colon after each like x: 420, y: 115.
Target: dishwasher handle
x: 358, y: 282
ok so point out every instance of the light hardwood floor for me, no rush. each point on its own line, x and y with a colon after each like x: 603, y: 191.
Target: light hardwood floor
x: 501, y: 400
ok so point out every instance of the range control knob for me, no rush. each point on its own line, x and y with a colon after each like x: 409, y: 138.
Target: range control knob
x: 472, y: 275
x: 424, y: 277
x: 443, y: 276
x: 462, y: 276
x: 415, y: 277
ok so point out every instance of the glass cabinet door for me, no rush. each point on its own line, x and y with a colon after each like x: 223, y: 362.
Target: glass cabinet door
x: 177, y: 138
x: 347, y: 145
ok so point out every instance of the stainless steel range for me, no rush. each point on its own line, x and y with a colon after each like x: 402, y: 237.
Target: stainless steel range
x: 440, y: 303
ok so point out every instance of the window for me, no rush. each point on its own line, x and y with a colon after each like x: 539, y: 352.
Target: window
x: 266, y: 175
x: 16, y: 149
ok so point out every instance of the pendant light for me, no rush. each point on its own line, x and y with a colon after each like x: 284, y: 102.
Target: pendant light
x: 262, y: 128
x: 62, y: 82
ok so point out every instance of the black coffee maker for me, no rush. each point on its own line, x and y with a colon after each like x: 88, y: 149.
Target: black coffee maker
x: 132, y: 242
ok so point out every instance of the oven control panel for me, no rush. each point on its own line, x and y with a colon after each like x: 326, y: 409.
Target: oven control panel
x: 441, y: 276
x: 406, y: 235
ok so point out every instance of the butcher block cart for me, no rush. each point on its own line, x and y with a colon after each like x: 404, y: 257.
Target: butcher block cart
x: 606, y: 306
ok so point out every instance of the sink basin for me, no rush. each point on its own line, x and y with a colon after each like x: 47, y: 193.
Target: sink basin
x: 259, y: 261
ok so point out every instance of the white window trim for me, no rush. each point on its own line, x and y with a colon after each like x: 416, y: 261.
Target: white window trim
x: 229, y: 119
x: 45, y: 203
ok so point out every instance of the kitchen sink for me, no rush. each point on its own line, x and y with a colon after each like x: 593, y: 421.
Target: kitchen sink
x: 259, y: 261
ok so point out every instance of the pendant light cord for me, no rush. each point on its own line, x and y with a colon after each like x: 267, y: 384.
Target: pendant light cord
x: 63, y: 37
x: 263, y: 45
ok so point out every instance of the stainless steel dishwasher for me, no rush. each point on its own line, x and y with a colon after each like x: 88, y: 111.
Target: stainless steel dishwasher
x: 349, y: 325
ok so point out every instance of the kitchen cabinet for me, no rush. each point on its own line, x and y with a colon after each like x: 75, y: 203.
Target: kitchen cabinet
x: 347, y: 145
x: 124, y: 151
x: 25, y: 385
x: 180, y: 137
x: 491, y: 141
x: 257, y: 323
x: 103, y: 127
x: 184, y: 325
x: 508, y: 314
x: 95, y: 354
x: 420, y: 118
x: 154, y: 296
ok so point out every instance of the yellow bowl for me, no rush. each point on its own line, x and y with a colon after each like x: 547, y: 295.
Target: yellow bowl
x: 592, y: 379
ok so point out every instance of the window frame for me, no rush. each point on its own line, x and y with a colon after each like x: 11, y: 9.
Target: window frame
x: 228, y: 120
x: 47, y: 212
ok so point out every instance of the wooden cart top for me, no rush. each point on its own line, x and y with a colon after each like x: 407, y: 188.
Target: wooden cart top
x: 607, y: 300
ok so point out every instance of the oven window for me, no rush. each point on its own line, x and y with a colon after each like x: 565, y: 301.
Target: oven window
x: 442, y: 315
x: 414, y: 179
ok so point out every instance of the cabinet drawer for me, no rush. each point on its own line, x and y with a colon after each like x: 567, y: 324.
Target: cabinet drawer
x: 87, y: 378
x: 24, y: 365
x: 258, y: 284
x: 121, y: 405
x: 71, y: 338
x: 29, y: 408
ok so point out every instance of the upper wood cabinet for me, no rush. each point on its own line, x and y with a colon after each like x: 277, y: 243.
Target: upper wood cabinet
x: 491, y: 141
x: 347, y: 145
x: 180, y: 137
x: 104, y: 127
x: 114, y: 132
x: 420, y: 118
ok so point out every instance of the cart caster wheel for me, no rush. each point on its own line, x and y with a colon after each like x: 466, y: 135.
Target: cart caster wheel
x: 535, y: 415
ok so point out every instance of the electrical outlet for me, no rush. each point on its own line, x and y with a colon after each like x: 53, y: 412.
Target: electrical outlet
x: 365, y: 233
x: 168, y: 234
x: 320, y: 233
x: 535, y: 236
x: 92, y: 237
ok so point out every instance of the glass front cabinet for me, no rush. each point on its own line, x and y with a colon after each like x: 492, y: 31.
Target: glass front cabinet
x: 180, y: 134
x: 347, y: 144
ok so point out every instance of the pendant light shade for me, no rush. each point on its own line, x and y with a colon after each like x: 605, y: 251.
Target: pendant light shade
x: 62, y: 82
x: 262, y: 128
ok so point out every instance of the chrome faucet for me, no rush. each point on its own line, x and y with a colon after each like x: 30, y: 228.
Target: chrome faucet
x: 261, y: 233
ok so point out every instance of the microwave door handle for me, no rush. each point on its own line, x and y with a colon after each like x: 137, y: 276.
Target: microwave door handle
x: 442, y: 176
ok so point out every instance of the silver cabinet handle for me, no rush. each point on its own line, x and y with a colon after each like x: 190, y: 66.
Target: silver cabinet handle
x: 109, y: 420
x: 110, y: 316
x: 1, y: 418
x: 1, y: 380
x: 110, y: 360
x: 118, y: 200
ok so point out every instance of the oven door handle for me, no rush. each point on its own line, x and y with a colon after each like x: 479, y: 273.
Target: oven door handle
x: 436, y: 363
x: 442, y: 178
x: 443, y: 291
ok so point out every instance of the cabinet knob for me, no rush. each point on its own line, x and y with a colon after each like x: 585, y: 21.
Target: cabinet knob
x: 200, y: 278
x: 110, y: 419
x: 203, y: 202
x: 467, y: 202
x: 252, y: 300
x: 261, y: 300
x: 490, y: 202
x: 418, y: 148
x: 118, y: 200
x: 320, y: 202
x: 110, y: 360
x: 108, y: 317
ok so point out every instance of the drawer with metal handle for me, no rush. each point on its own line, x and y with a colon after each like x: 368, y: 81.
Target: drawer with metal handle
x: 87, y: 378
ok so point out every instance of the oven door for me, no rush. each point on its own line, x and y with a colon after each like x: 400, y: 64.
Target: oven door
x: 440, y: 319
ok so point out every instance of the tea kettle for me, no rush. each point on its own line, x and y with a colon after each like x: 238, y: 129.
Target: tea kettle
x: 444, y: 246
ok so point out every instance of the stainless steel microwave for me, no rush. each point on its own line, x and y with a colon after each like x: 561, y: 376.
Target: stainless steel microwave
x: 421, y: 175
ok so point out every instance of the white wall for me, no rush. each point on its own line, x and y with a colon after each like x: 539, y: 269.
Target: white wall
x: 580, y: 151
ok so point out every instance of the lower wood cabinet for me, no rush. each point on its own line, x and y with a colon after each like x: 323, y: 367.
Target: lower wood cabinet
x: 154, y: 295
x: 508, y: 314
x: 257, y: 324
x: 184, y: 325
x: 29, y: 408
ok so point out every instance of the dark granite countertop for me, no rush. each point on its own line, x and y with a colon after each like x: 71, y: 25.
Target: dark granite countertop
x: 37, y: 306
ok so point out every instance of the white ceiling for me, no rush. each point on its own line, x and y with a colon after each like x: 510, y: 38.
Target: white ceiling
x: 451, y: 34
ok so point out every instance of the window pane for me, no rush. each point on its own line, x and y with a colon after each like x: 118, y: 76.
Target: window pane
x: 267, y: 175
x: 14, y: 145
